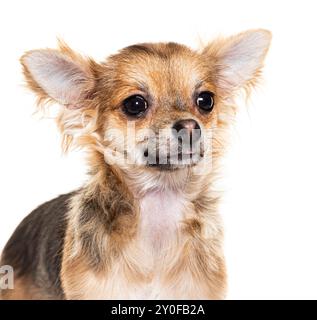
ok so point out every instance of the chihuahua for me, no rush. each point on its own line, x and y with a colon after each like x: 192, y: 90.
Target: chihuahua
x: 153, y: 119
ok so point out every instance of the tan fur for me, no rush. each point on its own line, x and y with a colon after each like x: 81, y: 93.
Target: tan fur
x: 106, y: 254
x: 193, y: 264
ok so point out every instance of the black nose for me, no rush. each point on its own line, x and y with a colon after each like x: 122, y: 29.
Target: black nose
x: 187, y: 127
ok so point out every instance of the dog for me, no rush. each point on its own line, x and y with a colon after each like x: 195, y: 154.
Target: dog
x: 154, y: 120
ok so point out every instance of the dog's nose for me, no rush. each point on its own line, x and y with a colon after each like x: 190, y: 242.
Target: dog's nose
x: 187, y: 127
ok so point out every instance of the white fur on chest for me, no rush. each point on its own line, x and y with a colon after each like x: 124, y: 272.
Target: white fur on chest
x: 160, y: 215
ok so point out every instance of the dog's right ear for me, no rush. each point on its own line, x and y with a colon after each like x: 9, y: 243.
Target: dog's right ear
x: 59, y: 75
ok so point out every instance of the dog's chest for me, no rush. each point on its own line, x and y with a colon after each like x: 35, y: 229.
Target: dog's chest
x: 150, y: 254
x: 161, y: 213
x: 160, y: 262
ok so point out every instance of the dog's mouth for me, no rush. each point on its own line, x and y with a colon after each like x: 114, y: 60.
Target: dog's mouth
x: 168, y: 162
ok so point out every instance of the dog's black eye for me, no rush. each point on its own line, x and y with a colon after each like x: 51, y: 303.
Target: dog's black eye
x: 205, y: 101
x: 135, y: 106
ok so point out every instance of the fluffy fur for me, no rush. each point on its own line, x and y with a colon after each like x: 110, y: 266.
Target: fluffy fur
x: 133, y: 231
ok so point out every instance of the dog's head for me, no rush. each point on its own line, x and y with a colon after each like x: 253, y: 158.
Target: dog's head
x: 155, y: 106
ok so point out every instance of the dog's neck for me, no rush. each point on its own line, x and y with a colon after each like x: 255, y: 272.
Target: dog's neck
x: 141, y: 206
x: 139, y: 182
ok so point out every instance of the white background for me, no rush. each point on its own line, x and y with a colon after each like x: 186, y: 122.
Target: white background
x: 269, y: 208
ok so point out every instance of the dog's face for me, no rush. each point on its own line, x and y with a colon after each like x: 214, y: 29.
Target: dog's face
x: 160, y: 99
x: 155, y: 106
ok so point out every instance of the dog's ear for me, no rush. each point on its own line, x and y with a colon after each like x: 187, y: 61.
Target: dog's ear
x: 237, y: 60
x: 60, y: 75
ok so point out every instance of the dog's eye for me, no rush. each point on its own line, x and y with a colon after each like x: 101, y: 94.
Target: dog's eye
x: 205, y: 101
x: 135, y: 106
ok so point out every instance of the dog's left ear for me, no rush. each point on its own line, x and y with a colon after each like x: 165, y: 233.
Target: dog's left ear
x: 237, y: 60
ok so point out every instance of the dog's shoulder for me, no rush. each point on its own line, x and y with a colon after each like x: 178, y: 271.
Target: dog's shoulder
x: 35, y: 248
